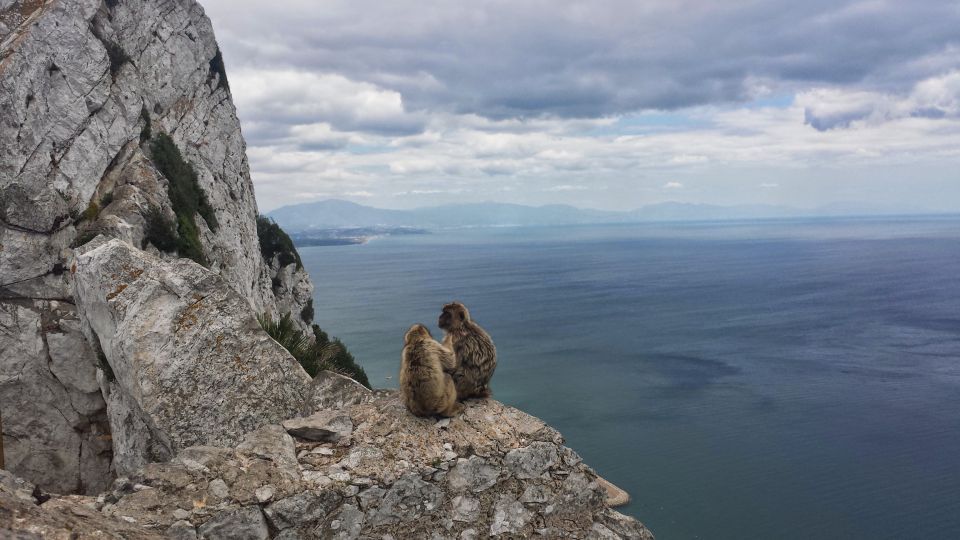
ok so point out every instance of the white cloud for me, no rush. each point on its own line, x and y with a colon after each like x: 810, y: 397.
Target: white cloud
x: 935, y: 97
x: 672, y: 185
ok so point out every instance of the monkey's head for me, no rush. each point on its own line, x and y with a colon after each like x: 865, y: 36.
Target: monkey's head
x: 416, y: 333
x: 454, y: 316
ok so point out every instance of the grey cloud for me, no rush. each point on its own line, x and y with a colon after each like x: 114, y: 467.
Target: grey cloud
x: 539, y: 58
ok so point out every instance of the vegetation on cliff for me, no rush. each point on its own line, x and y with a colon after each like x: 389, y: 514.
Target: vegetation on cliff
x: 317, y: 354
x: 187, y: 200
x: 275, y: 242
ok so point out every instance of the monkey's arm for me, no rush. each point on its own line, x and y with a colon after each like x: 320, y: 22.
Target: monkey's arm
x: 448, y: 360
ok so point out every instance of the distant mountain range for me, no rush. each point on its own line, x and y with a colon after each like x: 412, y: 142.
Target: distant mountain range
x: 339, y: 214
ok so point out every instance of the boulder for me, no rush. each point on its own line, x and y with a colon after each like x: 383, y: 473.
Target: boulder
x: 187, y: 360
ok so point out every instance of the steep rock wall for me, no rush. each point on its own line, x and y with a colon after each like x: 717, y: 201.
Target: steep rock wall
x: 82, y: 82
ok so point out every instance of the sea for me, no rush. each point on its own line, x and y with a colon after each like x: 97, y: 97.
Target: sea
x: 782, y: 379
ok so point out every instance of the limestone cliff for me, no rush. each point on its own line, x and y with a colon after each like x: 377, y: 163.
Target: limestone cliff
x: 84, y: 87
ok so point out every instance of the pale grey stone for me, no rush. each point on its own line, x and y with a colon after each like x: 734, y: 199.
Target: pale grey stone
x: 465, y: 508
x: 272, y: 442
x: 218, y: 488
x: 532, y: 461
x: 330, y: 390
x: 474, y: 474
x: 245, y: 523
x: 408, y: 499
x: 509, y: 517
x: 301, y: 509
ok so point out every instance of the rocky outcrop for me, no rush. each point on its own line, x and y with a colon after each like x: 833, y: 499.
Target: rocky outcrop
x: 189, y: 363
x: 491, y: 472
x: 83, y: 85
x: 54, y: 418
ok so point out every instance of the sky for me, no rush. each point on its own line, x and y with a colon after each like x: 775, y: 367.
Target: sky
x: 610, y: 104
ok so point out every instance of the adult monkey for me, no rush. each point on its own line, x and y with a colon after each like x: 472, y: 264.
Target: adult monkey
x: 476, y: 356
x: 425, y: 384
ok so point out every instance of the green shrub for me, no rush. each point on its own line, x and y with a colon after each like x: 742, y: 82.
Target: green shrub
x: 145, y: 130
x: 186, y: 196
x: 91, y: 213
x: 307, y: 312
x: 159, y: 231
x: 274, y: 241
x: 338, y: 358
x: 217, y: 68
x: 83, y: 238
x: 117, y: 57
x: 285, y: 332
x: 106, y: 200
x: 313, y: 355
x: 188, y: 240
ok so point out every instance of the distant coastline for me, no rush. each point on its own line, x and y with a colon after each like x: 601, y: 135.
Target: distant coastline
x: 349, y: 236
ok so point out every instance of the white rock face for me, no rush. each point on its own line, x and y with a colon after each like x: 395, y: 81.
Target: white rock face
x: 80, y: 80
x: 190, y: 364
x: 51, y: 403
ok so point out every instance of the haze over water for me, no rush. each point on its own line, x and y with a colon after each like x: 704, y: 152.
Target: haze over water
x: 778, y: 379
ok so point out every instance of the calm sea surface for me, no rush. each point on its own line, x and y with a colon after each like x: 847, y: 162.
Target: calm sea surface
x: 747, y: 380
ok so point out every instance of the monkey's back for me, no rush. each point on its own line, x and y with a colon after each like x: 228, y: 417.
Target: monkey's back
x: 476, y: 358
x: 425, y: 388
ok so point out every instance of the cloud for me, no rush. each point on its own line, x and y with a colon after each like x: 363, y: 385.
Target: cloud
x: 290, y: 97
x: 587, y: 103
x: 935, y: 97
x: 569, y: 59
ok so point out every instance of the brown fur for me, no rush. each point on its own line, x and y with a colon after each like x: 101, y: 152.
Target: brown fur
x: 426, y: 387
x: 475, y: 354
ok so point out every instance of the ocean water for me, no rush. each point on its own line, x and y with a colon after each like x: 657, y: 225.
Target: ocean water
x: 742, y: 380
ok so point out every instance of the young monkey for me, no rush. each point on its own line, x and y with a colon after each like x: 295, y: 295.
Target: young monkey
x: 425, y: 384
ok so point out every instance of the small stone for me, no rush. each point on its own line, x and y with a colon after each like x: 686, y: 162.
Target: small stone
x: 532, y: 461
x: 350, y: 491
x: 128, y: 519
x: 447, y: 446
x: 181, y: 530
x: 322, y: 450
x: 264, y: 493
x: 301, y: 509
x: 474, y: 474
x: 535, y: 494
x: 509, y: 516
x: 247, y: 522
x: 141, y: 487
x: 218, y: 488
x: 317, y: 478
x: 469, y: 534
x: 361, y: 481
x: 465, y: 508
x: 181, y: 514
x: 449, y: 455
x: 340, y: 476
x: 443, y: 424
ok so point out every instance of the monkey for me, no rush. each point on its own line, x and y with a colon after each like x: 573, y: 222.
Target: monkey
x: 473, y: 351
x: 425, y: 382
